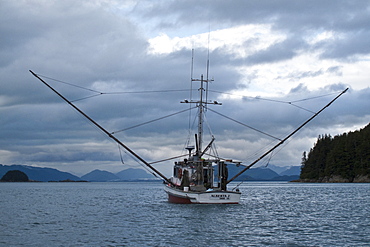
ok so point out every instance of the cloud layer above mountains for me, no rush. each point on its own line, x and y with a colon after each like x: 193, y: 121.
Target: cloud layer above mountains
x: 265, y: 57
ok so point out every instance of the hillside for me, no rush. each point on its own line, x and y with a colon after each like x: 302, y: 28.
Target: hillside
x: 263, y: 173
x: 42, y: 174
x: 129, y: 174
x: 292, y: 171
x: 134, y: 174
x: 99, y: 176
x: 15, y: 176
x: 343, y: 158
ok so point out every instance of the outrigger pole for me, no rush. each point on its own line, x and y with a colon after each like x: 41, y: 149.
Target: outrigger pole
x: 286, y: 138
x: 104, y: 130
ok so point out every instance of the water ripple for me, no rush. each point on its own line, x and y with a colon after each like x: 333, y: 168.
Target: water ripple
x: 137, y: 214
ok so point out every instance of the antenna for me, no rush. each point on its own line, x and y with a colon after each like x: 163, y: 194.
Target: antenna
x: 191, y: 72
x: 191, y: 84
x: 209, y: 35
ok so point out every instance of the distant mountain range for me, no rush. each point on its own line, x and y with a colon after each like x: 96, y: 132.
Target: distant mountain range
x: 43, y: 174
x: 270, y: 173
x: 129, y: 174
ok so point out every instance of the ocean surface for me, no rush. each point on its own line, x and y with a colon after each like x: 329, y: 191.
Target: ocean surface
x: 138, y: 214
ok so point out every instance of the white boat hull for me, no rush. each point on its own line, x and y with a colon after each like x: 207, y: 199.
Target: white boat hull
x: 205, y: 197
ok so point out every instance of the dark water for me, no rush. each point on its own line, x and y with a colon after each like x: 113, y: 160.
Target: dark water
x: 137, y: 214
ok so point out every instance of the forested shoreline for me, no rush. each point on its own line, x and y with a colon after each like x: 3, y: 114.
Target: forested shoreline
x: 342, y: 158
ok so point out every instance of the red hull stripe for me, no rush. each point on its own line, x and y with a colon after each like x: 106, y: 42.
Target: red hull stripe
x: 175, y: 199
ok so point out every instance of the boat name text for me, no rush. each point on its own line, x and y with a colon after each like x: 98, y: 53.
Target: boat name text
x: 220, y: 197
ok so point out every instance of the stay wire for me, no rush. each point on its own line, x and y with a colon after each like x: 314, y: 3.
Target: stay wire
x: 191, y: 127
x: 302, y: 108
x: 151, y: 121
x: 70, y: 84
x: 120, y: 154
x: 87, y: 97
x: 245, y: 125
x: 137, y: 161
x: 316, y: 97
x: 122, y: 92
x: 246, y: 177
x: 280, y: 101
x: 142, y: 165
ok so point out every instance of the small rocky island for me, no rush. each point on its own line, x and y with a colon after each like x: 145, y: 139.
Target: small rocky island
x: 15, y: 176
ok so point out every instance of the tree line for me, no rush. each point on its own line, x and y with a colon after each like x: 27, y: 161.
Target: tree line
x: 346, y: 156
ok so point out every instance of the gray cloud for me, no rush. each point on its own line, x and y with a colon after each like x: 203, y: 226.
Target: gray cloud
x: 92, y: 46
x: 347, y: 19
x: 297, y: 75
x: 281, y: 51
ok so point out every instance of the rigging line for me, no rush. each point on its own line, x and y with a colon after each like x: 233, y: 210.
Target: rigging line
x: 268, y: 161
x: 151, y: 121
x: 159, y: 161
x: 141, y: 164
x: 208, y: 126
x: 245, y: 125
x: 87, y: 97
x: 120, y: 154
x: 70, y: 84
x: 259, y: 152
x: 214, y: 148
x: 265, y: 148
x: 258, y: 98
x: 101, y: 93
x: 287, y: 137
x: 189, y: 137
x: 273, y: 100
x: 320, y: 96
x: 282, y: 147
x: 149, y: 91
x: 246, y: 177
x: 191, y: 126
x: 237, y: 186
x: 102, y: 129
x: 216, y: 155
x: 300, y: 107
x: 138, y: 162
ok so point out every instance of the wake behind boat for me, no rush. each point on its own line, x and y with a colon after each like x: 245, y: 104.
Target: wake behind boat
x: 202, y: 177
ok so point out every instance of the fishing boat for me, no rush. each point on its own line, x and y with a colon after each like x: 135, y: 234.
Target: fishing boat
x: 193, y: 179
x: 201, y: 177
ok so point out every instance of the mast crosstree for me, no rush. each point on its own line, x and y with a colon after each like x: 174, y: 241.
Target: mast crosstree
x: 201, y: 104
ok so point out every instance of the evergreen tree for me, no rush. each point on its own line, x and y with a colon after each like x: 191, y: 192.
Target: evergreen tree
x: 346, y: 155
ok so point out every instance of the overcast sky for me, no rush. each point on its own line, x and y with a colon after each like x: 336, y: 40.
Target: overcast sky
x: 263, y: 54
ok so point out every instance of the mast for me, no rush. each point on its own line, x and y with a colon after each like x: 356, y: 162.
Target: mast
x: 201, y: 103
x: 103, y: 130
x: 200, y: 118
